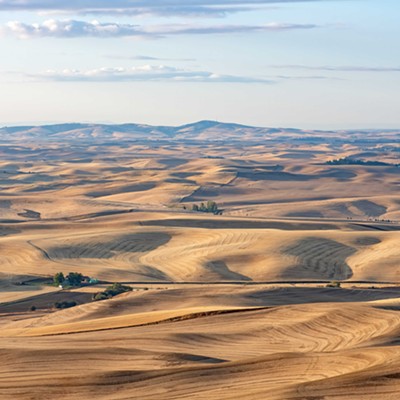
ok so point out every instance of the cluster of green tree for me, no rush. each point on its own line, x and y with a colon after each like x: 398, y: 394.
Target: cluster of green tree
x: 72, y: 279
x: 111, y: 291
x: 65, y: 304
x: 210, y: 207
x: 355, y: 161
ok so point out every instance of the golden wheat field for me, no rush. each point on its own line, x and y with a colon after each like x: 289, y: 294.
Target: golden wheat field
x: 290, y: 291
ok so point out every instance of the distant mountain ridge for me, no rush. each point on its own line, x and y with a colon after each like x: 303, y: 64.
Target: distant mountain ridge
x: 199, y: 130
x: 202, y: 130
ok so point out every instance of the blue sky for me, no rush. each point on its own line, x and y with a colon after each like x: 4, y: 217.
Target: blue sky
x: 325, y: 64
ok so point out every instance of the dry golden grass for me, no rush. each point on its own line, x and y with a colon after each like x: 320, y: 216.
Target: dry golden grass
x: 209, y: 352
x: 192, y: 248
x: 122, y: 213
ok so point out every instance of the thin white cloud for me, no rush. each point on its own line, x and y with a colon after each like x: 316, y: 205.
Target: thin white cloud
x: 156, y: 73
x: 306, y: 77
x: 146, y: 73
x: 72, y: 28
x: 343, y: 68
x: 182, y: 11
x: 201, y: 30
x: 69, y: 29
x: 216, y: 8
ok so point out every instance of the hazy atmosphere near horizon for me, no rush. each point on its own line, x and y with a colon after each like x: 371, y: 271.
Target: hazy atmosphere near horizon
x: 322, y: 64
x: 199, y: 200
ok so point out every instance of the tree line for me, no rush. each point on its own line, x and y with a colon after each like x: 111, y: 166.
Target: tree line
x: 355, y: 161
x: 209, y: 207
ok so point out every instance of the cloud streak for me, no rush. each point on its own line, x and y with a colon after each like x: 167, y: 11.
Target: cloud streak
x: 146, y: 73
x: 182, y: 11
x: 73, y: 28
x: 156, y: 73
x: 343, y: 68
x: 201, y: 8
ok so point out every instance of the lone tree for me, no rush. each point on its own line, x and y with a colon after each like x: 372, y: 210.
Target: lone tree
x: 65, y: 304
x: 212, y: 207
x: 114, y: 290
x: 75, y: 278
x: 59, y: 278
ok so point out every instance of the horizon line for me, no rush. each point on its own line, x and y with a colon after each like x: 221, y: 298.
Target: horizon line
x: 108, y: 123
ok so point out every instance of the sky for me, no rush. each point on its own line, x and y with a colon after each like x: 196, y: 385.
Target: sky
x: 317, y: 64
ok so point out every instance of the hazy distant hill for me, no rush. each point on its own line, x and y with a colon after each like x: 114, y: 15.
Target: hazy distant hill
x: 209, y: 130
x: 202, y: 130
